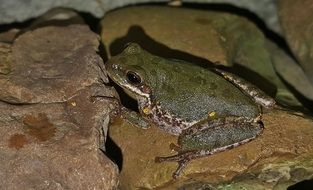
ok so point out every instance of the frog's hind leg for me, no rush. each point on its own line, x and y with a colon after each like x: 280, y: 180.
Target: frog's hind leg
x: 255, y: 93
x: 207, y: 138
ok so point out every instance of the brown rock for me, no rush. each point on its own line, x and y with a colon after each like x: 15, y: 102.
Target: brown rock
x: 9, y: 35
x: 48, y: 70
x: 296, y: 20
x: 268, y: 161
x: 51, y: 127
x: 5, y: 58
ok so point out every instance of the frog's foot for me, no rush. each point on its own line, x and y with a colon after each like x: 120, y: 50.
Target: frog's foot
x: 181, y: 159
x: 134, y: 118
x: 184, y: 158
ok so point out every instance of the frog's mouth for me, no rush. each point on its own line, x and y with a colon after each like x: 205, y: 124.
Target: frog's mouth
x: 131, y: 93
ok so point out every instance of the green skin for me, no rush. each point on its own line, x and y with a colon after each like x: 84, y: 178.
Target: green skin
x: 209, y: 109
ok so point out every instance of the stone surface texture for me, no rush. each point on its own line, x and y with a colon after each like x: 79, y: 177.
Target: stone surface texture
x: 51, y: 128
x: 297, y: 25
x: 292, y: 73
x: 280, y: 157
x: 18, y: 11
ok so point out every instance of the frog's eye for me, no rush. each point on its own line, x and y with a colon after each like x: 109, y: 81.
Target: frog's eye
x: 133, y: 78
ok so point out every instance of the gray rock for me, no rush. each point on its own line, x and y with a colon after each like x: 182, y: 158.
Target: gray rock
x: 296, y: 21
x: 51, y: 129
x: 19, y: 10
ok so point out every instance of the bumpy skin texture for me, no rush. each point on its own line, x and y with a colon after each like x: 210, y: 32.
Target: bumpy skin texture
x: 210, y: 110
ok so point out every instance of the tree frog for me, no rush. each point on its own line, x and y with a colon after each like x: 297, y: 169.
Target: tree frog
x: 210, y: 110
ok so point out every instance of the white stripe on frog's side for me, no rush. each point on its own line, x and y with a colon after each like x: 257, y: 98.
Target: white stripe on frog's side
x: 255, y: 93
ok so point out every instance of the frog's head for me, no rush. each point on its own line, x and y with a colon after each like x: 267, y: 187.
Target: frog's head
x: 134, y: 71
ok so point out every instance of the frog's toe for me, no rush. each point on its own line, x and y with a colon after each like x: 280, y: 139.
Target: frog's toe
x: 174, y: 158
x: 182, y: 161
x: 174, y: 147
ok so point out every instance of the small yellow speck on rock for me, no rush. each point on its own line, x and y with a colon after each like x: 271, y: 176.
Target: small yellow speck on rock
x: 146, y: 110
x: 212, y: 114
x: 73, y: 104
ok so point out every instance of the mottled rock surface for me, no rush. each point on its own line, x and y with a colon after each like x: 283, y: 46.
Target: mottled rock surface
x: 51, y: 128
x: 17, y: 11
x: 297, y: 25
x: 280, y: 157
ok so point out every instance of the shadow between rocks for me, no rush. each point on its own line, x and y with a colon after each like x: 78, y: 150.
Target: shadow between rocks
x: 303, y: 185
x: 113, y: 151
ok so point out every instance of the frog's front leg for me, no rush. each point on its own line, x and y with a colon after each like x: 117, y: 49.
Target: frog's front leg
x: 210, y: 137
x: 134, y: 118
x: 255, y: 93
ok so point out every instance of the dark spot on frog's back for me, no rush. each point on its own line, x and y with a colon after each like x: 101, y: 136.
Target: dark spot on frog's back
x: 122, y: 59
x: 212, y: 86
x: 156, y: 59
x: 176, y: 69
x: 153, y: 72
x: 169, y: 89
x: 226, y: 94
x: 198, y: 79
x: 39, y: 126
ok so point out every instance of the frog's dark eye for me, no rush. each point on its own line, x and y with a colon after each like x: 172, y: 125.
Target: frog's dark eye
x: 133, y: 78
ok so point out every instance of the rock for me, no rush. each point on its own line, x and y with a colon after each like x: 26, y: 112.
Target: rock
x: 57, y: 17
x: 280, y: 157
x: 9, y: 35
x: 216, y: 37
x: 18, y: 11
x: 51, y: 127
x: 295, y: 17
x: 293, y: 74
x: 5, y: 58
x: 46, y: 79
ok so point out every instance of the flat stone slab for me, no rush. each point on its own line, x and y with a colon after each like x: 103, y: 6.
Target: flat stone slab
x: 51, y: 127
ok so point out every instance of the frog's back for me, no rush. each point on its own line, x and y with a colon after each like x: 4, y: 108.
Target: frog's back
x: 192, y: 92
